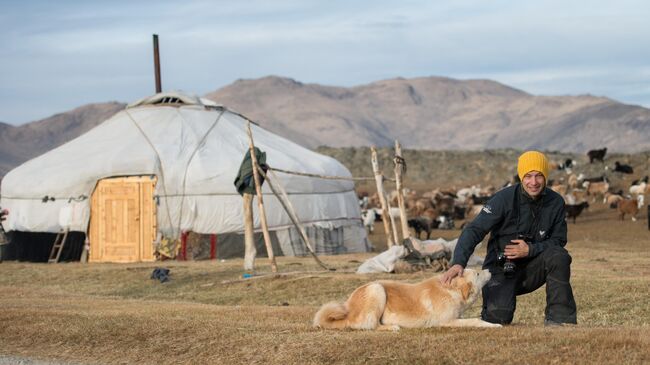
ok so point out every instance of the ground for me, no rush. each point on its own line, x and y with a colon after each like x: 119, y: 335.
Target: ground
x: 114, y: 313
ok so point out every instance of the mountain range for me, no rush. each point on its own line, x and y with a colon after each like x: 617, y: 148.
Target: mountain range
x: 432, y: 113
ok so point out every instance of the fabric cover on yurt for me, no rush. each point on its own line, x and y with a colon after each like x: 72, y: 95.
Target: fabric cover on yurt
x: 195, y: 148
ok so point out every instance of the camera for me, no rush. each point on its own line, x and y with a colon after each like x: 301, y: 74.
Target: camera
x: 509, y: 266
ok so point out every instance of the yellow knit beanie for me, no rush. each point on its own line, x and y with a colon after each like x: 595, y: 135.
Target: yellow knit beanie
x: 532, y: 161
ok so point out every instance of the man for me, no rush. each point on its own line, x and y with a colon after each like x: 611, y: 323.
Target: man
x: 528, y: 233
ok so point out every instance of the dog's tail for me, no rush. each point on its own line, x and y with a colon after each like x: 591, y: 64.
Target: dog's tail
x: 331, y: 315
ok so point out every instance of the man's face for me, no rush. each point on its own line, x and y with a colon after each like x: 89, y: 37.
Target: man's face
x: 533, y: 183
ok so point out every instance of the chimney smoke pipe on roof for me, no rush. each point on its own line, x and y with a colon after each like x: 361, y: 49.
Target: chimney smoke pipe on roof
x: 156, y: 62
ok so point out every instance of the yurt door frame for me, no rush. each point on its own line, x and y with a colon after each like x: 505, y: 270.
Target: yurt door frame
x: 123, y: 220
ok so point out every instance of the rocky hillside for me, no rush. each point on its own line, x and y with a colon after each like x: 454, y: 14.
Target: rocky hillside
x: 429, y: 113
x: 19, y: 144
x: 437, y: 114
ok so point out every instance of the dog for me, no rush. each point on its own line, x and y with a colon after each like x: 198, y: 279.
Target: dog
x: 390, y: 305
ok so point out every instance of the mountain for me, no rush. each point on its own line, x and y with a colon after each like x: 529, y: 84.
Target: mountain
x: 21, y: 143
x: 437, y: 113
x: 432, y: 113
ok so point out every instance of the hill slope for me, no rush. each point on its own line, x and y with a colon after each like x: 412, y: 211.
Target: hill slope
x: 437, y: 113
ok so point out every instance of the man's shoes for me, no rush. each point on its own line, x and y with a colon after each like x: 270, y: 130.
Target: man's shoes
x: 552, y: 323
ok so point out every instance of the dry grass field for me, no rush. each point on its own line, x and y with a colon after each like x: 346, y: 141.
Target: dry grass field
x: 116, y: 314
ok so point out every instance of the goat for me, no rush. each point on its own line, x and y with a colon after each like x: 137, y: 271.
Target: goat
x: 638, y: 189
x: 612, y: 199
x: 559, y: 188
x: 597, y: 189
x: 567, y: 165
x: 624, y: 169
x: 369, y: 217
x: 420, y: 224
x: 583, y: 179
x: 630, y: 206
x: 445, y: 222
x: 480, y: 199
x: 573, y: 181
x: 597, y: 155
x: 572, y: 211
x: 637, y: 182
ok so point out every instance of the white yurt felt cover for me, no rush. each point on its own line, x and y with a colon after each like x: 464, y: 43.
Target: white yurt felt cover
x: 194, y: 147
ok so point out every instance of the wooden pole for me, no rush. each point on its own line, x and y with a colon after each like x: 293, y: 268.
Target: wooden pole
x: 249, y: 242
x: 379, y: 180
x: 399, y: 170
x: 156, y: 63
x: 260, y: 201
x: 286, y: 204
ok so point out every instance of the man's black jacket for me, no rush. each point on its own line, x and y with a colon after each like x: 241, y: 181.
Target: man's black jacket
x: 508, y: 213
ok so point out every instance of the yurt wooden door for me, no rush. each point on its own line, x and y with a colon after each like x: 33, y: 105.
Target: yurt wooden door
x: 123, y: 220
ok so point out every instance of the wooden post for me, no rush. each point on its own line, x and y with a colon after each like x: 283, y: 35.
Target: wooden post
x: 379, y: 180
x: 260, y: 201
x: 399, y: 170
x: 393, y: 226
x: 249, y: 242
x: 286, y: 204
x: 213, y: 246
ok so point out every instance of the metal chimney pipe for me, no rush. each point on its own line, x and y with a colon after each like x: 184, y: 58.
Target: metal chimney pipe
x: 156, y: 63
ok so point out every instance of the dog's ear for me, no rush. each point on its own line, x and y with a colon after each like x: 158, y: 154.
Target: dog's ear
x: 465, y: 288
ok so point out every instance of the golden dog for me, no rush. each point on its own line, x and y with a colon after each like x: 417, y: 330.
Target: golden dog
x: 389, y: 305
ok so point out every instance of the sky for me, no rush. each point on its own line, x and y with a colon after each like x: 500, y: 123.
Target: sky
x: 59, y: 55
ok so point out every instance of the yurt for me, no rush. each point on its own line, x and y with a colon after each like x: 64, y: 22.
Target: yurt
x: 165, y: 166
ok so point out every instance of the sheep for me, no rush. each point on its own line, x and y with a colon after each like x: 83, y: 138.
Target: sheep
x: 624, y: 169
x: 572, y: 211
x: 597, y: 155
x: 631, y: 207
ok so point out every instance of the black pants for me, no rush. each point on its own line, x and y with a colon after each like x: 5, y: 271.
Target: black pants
x: 553, y: 267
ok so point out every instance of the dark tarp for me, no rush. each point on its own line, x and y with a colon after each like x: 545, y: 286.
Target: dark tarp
x: 36, y: 246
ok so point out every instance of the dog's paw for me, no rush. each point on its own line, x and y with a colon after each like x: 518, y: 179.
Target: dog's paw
x: 392, y: 328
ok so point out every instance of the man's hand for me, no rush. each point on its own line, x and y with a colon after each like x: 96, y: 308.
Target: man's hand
x: 517, y: 250
x: 453, y: 271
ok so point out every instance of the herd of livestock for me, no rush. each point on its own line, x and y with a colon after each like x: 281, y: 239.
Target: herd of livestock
x: 439, y: 209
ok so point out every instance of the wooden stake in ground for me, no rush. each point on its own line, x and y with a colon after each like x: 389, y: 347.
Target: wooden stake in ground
x: 249, y: 242
x: 379, y: 180
x: 400, y: 168
x: 260, y: 201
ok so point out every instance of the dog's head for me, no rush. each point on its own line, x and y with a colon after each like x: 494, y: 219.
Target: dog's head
x: 471, y: 283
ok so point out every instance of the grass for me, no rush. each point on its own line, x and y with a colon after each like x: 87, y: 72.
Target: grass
x: 114, y: 313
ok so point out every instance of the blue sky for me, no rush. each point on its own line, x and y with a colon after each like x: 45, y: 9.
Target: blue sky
x: 58, y: 55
